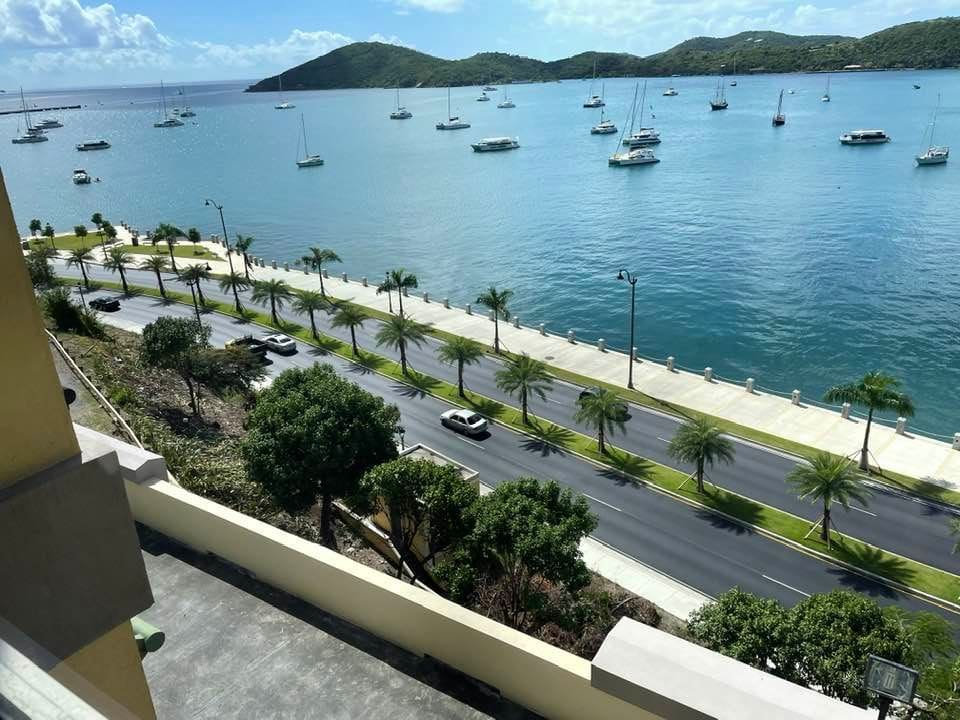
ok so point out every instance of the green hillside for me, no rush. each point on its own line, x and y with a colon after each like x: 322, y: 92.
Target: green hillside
x: 928, y: 44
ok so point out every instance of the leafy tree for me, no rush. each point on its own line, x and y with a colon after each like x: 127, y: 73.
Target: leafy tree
x: 604, y: 411
x: 174, y: 344
x: 497, y: 301
x: 157, y: 264
x: 748, y: 628
x: 832, y: 479
x: 50, y: 234
x: 97, y: 219
x: 401, y: 280
x: 525, y: 541
x: 876, y: 391
x: 79, y: 257
x: 38, y: 265
x: 350, y: 316
x: 35, y: 227
x: 700, y: 442
x: 110, y: 231
x: 460, y: 351
x: 273, y: 293
x: 81, y: 232
x: 225, y: 369
x: 314, y: 434
x: 521, y: 377
x: 193, y: 236
x: 421, y: 499
x: 69, y: 316
x: 118, y: 260
x: 316, y: 259
x: 398, y: 332
x: 310, y: 302
x: 242, y: 246
x: 235, y: 282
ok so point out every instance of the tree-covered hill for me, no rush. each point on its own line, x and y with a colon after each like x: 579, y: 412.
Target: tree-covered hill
x: 928, y: 44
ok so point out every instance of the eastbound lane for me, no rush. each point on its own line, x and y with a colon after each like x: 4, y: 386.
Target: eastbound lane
x: 914, y: 528
x: 692, y: 545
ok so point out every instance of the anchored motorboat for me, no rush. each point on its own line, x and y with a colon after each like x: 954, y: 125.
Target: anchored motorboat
x: 864, y: 137
x: 81, y: 177
x: 637, y: 156
x: 49, y: 123
x: 670, y: 92
x: 95, y: 145
x: 497, y: 143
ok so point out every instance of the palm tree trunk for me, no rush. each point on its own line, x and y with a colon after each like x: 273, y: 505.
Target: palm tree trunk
x: 326, y: 516
x: 496, y: 333
x: 313, y: 327
x: 403, y: 357
x: 523, y: 405
x: 200, y: 293
x: 323, y: 290
x: 163, y: 292
x: 700, y: 475
x: 123, y: 280
x: 273, y: 310
x: 353, y: 340
x: 400, y: 298
x: 236, y: 297
x: 600, y: 443
x: 460, y: 377
x: 173, y: 261
x: 246, y: 265
x: 825, y: 524
x: 83, y: 271
x: 865, y: 451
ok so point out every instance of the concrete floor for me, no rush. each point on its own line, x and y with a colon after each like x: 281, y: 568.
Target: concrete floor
x: 238, y: 648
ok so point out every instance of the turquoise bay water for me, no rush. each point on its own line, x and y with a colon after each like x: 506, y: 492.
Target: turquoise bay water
x: 774, y: 253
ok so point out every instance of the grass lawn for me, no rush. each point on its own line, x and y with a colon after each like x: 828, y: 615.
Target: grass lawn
x: 180, y: 250
x: 68, y: 242
x: 789, y: 527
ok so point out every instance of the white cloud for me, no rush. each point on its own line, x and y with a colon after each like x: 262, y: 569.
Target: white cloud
x: 298, y: 47
x: 440, y: 6
x: 390, y: 40
x: 68, y: 24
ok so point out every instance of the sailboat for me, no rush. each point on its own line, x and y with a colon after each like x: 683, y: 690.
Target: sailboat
x: 645, y: 135
x: 594, y: 101
x: 33, y: 134
x: 779, y: 118
x: 453, y: 122
x: 283, y: 104
x: 733, y: 83
x: 507, y: 102
x: 719, y: 101
x: 166, y: 120
x: 604, y: 127
x: 826, y: 94
x: 933, y: 155
x: 401, y: 113
x: 186, y: 111
x: 634, y: 155
x: 308, y: 159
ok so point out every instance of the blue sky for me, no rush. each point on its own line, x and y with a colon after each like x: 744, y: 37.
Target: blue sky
x: 64, y: 43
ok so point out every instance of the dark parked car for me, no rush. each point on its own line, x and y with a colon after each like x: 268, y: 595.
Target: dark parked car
x: 624, y: 409
x: 254, y: 345
x: 105, y: 304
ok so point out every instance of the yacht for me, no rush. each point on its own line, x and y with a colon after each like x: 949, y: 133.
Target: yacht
x: 594, y: 101
x: 483, y: 97
x: 779, y: 118
x: 401, y: 113
x: 719, y: 101
x: 507, y: 102
x: 32, y: 134
x: 645, y: 135
x: 187, y: 112
x: 864, y: 137
x: 497, y: 143
x: 604, y: 127
x: 95, y: 145
x: 167, y: 121
x: 933, y: 155
x: 80, y: 177
x: 49, y: 123
x: 489, y: 88
x: 670, y: 92
x: 826, y: 93
x: 637, y: 156
x: 283, y: 104
x: 308, y: 159
x: 453, y: 122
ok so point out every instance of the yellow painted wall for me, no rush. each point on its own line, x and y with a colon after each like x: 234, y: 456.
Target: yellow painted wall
x: 532, y: 673
x: 35, y: 428
x: 109, y: 671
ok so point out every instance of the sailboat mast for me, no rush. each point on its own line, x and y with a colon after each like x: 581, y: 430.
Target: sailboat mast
x: 448, y: 103
x: 303, y: 126
x: 163, y: 100
x: 933, y: 125
x: 26, y: 113
x: 780, y: 103
x: 643, y: 101
x: 633, y: 112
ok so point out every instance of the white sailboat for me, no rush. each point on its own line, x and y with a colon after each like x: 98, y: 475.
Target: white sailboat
x: 633, y: 155
x: 604, y: 127
x: 507, y: 102
x: 645, y: 135
x: 283, y: 104
x: 779, y: 118
x: 308, y: 159
x: 826, y: 93
x: 733, y: 83
x: 166, y: 120
x: 453, y: 122
x: 594, y: 101
x: 401, y: 113
x: 719, y: 101
x: 186, y: 111
x: 33, y: 134
x: 934, y: 154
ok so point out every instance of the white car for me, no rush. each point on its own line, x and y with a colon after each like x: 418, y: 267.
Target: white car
x: 465, y: 421
x: 280, y: 344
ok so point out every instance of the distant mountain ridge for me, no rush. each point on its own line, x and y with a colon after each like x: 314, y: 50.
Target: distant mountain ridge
x: 926, y: 44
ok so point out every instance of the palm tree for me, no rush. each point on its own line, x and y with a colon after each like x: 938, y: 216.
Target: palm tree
x: 235, y: 282
x: 876, y: 391
x: 193, y: 274
x: 522, y: 376
x: 700, y: 442
x: 97, y: 219
x: 308, y: 302
x: 397, y: 332
x: 158, y: 264
x: 35, y: 227
x: 603, y: 410
x: 168, y: 233
x: 118, y: 260
x: 497, y: 302
x: 462, y: 351
x: 401, y: 280
x: 242, y: 245
x: 350, y: 316
x: 110, y: 231
x: 193, y: 235
x: 49, y: 233
x: 387, y: 287
x: 832, y: 479
x: 272, y: 292
x: 316, y: 259
x: 81, y: 232
x: 78, y: 257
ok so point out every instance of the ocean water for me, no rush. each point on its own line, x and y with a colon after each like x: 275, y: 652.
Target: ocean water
x: 773, y: 253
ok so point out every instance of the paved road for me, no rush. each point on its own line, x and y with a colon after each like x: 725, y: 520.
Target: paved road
x: 692, y: 545
x: 895, y: 521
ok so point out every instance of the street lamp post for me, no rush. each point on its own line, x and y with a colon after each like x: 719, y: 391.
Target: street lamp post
x: 208, y: 202
x: 625, y: 275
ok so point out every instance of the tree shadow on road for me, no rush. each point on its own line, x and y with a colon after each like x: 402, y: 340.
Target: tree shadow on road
x: 743, y: 511
x: 548, y: 438
x: 637, y: 468
x: 872, y: 559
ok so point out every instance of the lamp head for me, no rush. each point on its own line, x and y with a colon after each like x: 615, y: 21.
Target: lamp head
x: 620, y: 275
x: 206, y: 202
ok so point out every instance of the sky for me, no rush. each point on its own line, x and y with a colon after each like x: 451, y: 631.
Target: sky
x: 48, y: 44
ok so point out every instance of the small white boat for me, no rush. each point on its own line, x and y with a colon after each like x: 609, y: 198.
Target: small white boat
x: 497, y: 143
x: 637, y: 156
x: 95, y: 145
x: 483, y: 97
x: 308, y: 159
x: 187, y: 112
x: 489, y: 88
x: 453, y: 122
x: 507, y: 102
x: 645, y: 135
x: 864, y: 137
x: 779, y: 118
x: 670, y: 92
x: 283, y: 104
x: 594, y: 101
x: 604, y: 127
x: 80, y: 177
x: 49, y: 123
x: 934, y: 154
x: 401, y: 113
x: 167, y: 121
x: 32, y: 134
x: 826, y: 93
x: 790, y: 91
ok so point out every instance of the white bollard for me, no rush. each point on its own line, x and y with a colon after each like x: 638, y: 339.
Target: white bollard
x: 708, y: 374
x: 364, y: 281
x: 516, y: 321
x: 286, y: 266
x: 274, y: 264
x: 670, y: 363
x: 901, y: 426
x: 543, y: 329
x: 634, y: 351
x: 491, y: 316
x: 602, y: 345
x: 306, y: 269
x: 406, y: 293
x: 749, y: 385
x: 956, y: 441
x: 469, y: 309
x: 326, y: 274
x: 426, y: 297
x: 845, y: 411
x: 571, y: 336
x: 795, y: 397
x: 446, y: 302
x: 343, y: 276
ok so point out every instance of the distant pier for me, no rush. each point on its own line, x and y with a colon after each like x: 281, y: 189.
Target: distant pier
x: 39, y: 109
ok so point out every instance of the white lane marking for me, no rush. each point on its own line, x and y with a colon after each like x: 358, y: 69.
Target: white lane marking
x: 558, y: 402
x: 662, y: 439
x: 612, y: 507
x: 865, y: 512
x: 788, y: 587
x: 471, y: 442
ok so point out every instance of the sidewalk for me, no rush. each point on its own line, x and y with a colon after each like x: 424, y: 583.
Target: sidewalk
x: 913, y: 455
